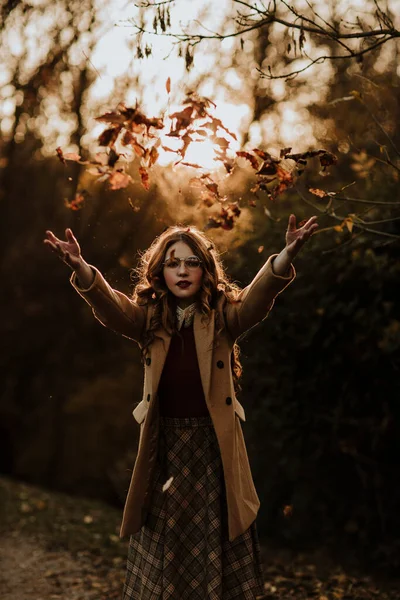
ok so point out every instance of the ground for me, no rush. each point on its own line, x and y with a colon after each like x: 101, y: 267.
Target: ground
x: 56, y: 546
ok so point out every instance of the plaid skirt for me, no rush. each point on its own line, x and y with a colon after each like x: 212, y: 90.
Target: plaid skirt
x: 183, y: 551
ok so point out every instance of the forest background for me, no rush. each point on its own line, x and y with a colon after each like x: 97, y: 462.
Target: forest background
x: 321, y: 374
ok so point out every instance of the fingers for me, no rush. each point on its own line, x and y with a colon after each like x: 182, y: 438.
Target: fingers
x: 292, y: 223
x: 311, y: 222
x: 51, y: 240
x: 51, y: 236
x: 69, y: 235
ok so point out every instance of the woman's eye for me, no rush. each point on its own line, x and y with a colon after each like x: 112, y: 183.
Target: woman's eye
x: 172, y: 263
x: 192, y: 262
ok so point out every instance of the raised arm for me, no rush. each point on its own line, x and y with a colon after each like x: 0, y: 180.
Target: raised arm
x: 257, y: 299
x: 112, y: 308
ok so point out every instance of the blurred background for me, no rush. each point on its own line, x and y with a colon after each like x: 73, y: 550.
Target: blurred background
x: 321, y: 375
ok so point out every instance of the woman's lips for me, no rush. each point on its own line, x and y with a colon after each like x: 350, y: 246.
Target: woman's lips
x: 184, y: 284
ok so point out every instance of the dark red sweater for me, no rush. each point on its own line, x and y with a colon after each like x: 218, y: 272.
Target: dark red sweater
x: 180, y: 390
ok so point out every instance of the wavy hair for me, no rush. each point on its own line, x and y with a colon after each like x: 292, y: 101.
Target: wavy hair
x: 151, y: 287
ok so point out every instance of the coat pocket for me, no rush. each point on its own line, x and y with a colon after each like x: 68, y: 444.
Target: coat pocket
x: 140, y: 411
x: 239, y: 410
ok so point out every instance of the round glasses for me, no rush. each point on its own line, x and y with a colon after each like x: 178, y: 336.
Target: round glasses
x: 191, y: 262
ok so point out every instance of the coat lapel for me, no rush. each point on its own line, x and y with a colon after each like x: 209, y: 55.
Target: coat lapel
x: 203, y: 337
x: 159, y: 353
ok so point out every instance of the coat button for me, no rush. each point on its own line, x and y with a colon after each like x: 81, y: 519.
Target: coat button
x: 148, y: 397
x: 220, y: 364
x: 228, y: 400
x: 148, y: 361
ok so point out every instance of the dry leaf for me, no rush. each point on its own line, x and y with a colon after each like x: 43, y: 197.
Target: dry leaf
x: 317, y: 192
x: 287, y: 510
x: 167, y: 484
x: 144, y: 176
x: 250, y: 157
x: 60, y: 155
x: 119, y: 180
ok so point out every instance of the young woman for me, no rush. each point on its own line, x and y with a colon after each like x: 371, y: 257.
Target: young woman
x: 191, y: 506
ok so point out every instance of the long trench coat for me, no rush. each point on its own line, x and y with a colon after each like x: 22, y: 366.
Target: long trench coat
x: 119, y: 313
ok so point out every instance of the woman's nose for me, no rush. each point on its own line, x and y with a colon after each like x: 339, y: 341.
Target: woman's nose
x: 182, y: 267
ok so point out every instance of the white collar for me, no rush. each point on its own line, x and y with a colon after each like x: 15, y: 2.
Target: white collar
x: 185, y: 315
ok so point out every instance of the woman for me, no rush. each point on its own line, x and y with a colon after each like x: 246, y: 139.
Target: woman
x: 191, y: 506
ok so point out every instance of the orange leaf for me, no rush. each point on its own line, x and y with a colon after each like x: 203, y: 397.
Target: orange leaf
x: 193, y: 165
x: 153, y: 156
x: 108, y: 137
x: 250, y: 157
x: 144, y: 176
x: 60, y: 155
x: 288, y: 510
x: 168, y: 85
x: 119, y: 180
x: 112, y: 117
x: 349, y: 224
x: 317, y: 192
x: 77, y: 202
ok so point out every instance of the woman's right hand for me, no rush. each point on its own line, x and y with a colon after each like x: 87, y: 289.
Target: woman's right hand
x: 68, y: 251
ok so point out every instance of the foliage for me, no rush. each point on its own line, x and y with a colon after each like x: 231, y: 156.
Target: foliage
x: 322, y: 395
x: 305, y: 30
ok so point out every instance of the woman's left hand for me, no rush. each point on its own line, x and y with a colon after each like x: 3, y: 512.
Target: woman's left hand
x: 296, y: 238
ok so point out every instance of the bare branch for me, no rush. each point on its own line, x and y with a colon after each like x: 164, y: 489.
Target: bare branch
x: 258, y: 18
x: 153, y: 4
x: 341, y: 218
x: 320, y: 59
x: 374, y: 202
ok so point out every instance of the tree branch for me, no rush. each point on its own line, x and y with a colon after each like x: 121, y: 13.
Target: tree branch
x: 341, y: 219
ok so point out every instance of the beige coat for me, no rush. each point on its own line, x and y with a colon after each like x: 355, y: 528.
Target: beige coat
x: 116, y: 311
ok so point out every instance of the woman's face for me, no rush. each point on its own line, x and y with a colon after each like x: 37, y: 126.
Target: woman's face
x: 186, y: 295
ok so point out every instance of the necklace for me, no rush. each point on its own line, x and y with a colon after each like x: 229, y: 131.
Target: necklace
x: 185, y: 316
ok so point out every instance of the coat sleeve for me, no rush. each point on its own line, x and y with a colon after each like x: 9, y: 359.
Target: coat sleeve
x: 112, y: 308
x: 256, y: 300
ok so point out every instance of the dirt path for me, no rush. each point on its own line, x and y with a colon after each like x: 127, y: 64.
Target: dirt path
x: 29, y: 571
x: 56, y: 546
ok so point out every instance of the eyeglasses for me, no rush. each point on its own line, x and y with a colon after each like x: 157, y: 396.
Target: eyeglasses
x: 191, y: 262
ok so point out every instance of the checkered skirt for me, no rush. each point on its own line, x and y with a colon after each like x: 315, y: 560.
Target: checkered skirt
x: 183, y: 551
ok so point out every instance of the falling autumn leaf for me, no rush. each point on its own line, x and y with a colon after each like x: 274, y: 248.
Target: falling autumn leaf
x: 60, y: 155
x: 167, y: 484
x: 287, y: 510
x: 183, y: 119
x: 112, y: 158
x: 119, y: 180
x: 77, y: 202
x: 349, y: 224
x: 109, y: 136
x: 153, y: 156
x: 317, y: 192
x: 194, y: 122
x: 193, y: 165
x: 250, y: 157
x: 144, y: 176
x: 168, y: 85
